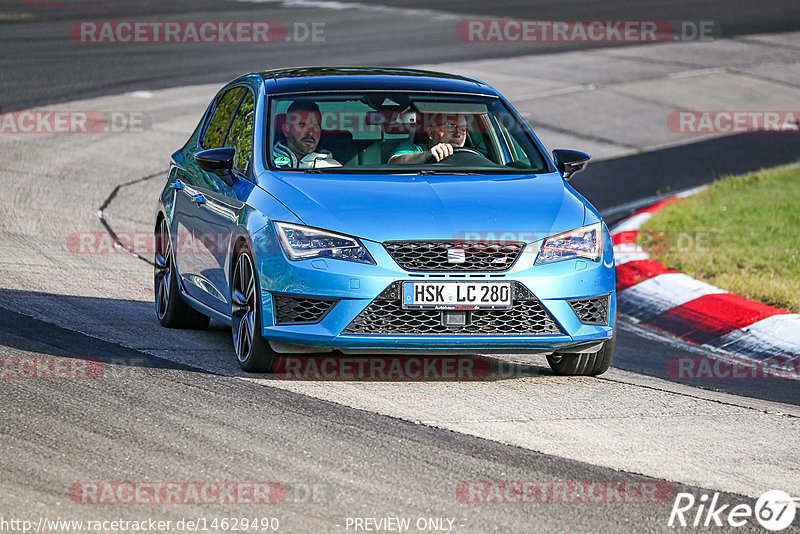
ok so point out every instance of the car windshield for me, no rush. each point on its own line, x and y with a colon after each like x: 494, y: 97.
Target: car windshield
x: 397, y: 133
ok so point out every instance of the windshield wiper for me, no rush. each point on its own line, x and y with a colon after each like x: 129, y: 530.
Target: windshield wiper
x: 431, y: 172
x: 403, y: 170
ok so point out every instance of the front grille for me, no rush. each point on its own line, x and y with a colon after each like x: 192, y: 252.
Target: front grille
x: 433, y: 255
x: 386, y: 316
x: 300, y: 310
x: 591, y: 311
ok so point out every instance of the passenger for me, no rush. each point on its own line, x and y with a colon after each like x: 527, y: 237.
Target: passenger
x: 445, y: 132
x: 302, y: 130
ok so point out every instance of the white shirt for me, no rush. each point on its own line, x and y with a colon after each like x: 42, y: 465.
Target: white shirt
x: 284, y: 158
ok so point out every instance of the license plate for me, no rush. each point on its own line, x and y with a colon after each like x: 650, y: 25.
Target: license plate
x: 457, y: 295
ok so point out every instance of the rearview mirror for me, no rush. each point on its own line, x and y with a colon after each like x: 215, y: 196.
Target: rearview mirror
x: 219, y: 161
x: 568, y: 162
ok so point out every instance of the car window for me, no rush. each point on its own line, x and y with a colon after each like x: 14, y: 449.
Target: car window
x: 240, y: 136
x: 223, y: 112
x: 363, y: 132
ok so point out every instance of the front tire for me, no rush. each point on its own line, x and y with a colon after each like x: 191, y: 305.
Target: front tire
x: 591, y: 364
x: 171, y: 310
x: 252, y: 350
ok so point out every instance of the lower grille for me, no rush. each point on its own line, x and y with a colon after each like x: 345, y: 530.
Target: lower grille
x: 591, y: 311
x: 300, y: 310
x: 386, y: 316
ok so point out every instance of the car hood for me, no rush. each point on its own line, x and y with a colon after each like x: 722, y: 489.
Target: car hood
x: 384, y: 208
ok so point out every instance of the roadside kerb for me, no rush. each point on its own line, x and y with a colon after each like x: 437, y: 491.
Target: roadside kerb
x: 695, y: 311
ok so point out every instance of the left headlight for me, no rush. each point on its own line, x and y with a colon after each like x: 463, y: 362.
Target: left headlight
x: 302, y: 242
x: 585, y: 242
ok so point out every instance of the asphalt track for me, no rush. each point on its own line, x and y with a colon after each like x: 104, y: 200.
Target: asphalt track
x: 174, y: 408
x: 40, y: 65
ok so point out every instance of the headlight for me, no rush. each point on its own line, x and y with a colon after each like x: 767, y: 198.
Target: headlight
x: 585, y: 242
x: 302, y: 242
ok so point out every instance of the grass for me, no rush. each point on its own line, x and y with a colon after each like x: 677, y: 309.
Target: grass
x: 14, y: 17
x: 742, y: 234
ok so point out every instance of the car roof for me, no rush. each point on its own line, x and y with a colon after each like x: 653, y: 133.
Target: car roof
x: 302, y: 79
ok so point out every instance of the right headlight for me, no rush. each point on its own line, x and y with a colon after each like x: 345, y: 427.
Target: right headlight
x: 302, y: 242
x: 585, y: 242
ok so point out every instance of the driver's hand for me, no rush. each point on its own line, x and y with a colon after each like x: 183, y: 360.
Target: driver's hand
x: 440, y: 151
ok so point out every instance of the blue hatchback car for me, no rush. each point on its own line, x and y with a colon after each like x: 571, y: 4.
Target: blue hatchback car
x: 381, y: 210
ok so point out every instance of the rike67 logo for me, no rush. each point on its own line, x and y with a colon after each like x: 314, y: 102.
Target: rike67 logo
x: 775, y: 510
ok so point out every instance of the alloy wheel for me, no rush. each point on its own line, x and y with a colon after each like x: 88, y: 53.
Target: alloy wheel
x: 163, y: 269
x: 244, y: 307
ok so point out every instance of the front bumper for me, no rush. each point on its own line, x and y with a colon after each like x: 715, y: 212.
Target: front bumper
x: 356, y: 286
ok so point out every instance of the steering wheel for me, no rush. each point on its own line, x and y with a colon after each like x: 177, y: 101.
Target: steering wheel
x: 456, y: 150
x: 465, y: 156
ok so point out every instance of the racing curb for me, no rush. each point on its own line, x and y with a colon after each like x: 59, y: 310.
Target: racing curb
x: 697, y: 312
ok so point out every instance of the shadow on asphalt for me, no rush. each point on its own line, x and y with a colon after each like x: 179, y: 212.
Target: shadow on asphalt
x: 656, y: 358
x: 25, y: 333
x: 649, y: 357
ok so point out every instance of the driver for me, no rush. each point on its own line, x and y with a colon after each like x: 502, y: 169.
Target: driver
x: 303, y: 131
x: 445, y: 133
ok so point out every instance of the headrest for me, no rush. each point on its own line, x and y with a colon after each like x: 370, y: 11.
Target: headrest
x: 280, y: 120
x: 394, y: 121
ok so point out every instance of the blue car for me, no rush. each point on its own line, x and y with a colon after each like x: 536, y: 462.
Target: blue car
x: 381, y: 210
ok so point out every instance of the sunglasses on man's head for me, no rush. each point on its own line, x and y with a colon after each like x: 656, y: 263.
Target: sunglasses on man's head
x: 452, y: 127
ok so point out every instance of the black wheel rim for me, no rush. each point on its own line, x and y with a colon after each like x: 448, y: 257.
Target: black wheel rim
x: 244, y: 317
x: 163, y: 277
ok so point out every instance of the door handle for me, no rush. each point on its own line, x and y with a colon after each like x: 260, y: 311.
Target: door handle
x: 176, y: 184
x: 198, y: 199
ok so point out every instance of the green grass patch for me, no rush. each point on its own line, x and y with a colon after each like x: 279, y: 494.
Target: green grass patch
x: 14, y: 17
x: 742, y: 234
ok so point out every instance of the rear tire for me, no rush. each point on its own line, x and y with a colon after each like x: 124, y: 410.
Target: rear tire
x: 592, y: 364
x: 171, y: 310
x: 253, y: 351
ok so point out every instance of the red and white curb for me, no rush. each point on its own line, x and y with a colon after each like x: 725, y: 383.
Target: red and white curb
x: 697, y: 312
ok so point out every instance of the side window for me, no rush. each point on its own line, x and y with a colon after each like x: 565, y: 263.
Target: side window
x: 218, y: 127
x: 241, y: 133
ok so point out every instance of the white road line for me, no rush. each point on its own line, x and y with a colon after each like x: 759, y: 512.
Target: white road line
x: 429, y: 14
x: 632, y: 223
x: 697, y: 72
x: 629, y: 252
x: 556, y: 92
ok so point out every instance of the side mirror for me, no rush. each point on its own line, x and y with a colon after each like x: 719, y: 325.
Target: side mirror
x: 568, y: 162
x: 219, y: 161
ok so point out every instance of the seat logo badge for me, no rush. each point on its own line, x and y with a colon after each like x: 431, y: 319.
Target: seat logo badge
x: 456, y: 255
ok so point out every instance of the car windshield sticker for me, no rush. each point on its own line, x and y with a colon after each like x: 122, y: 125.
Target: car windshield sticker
x: 282, y: 160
